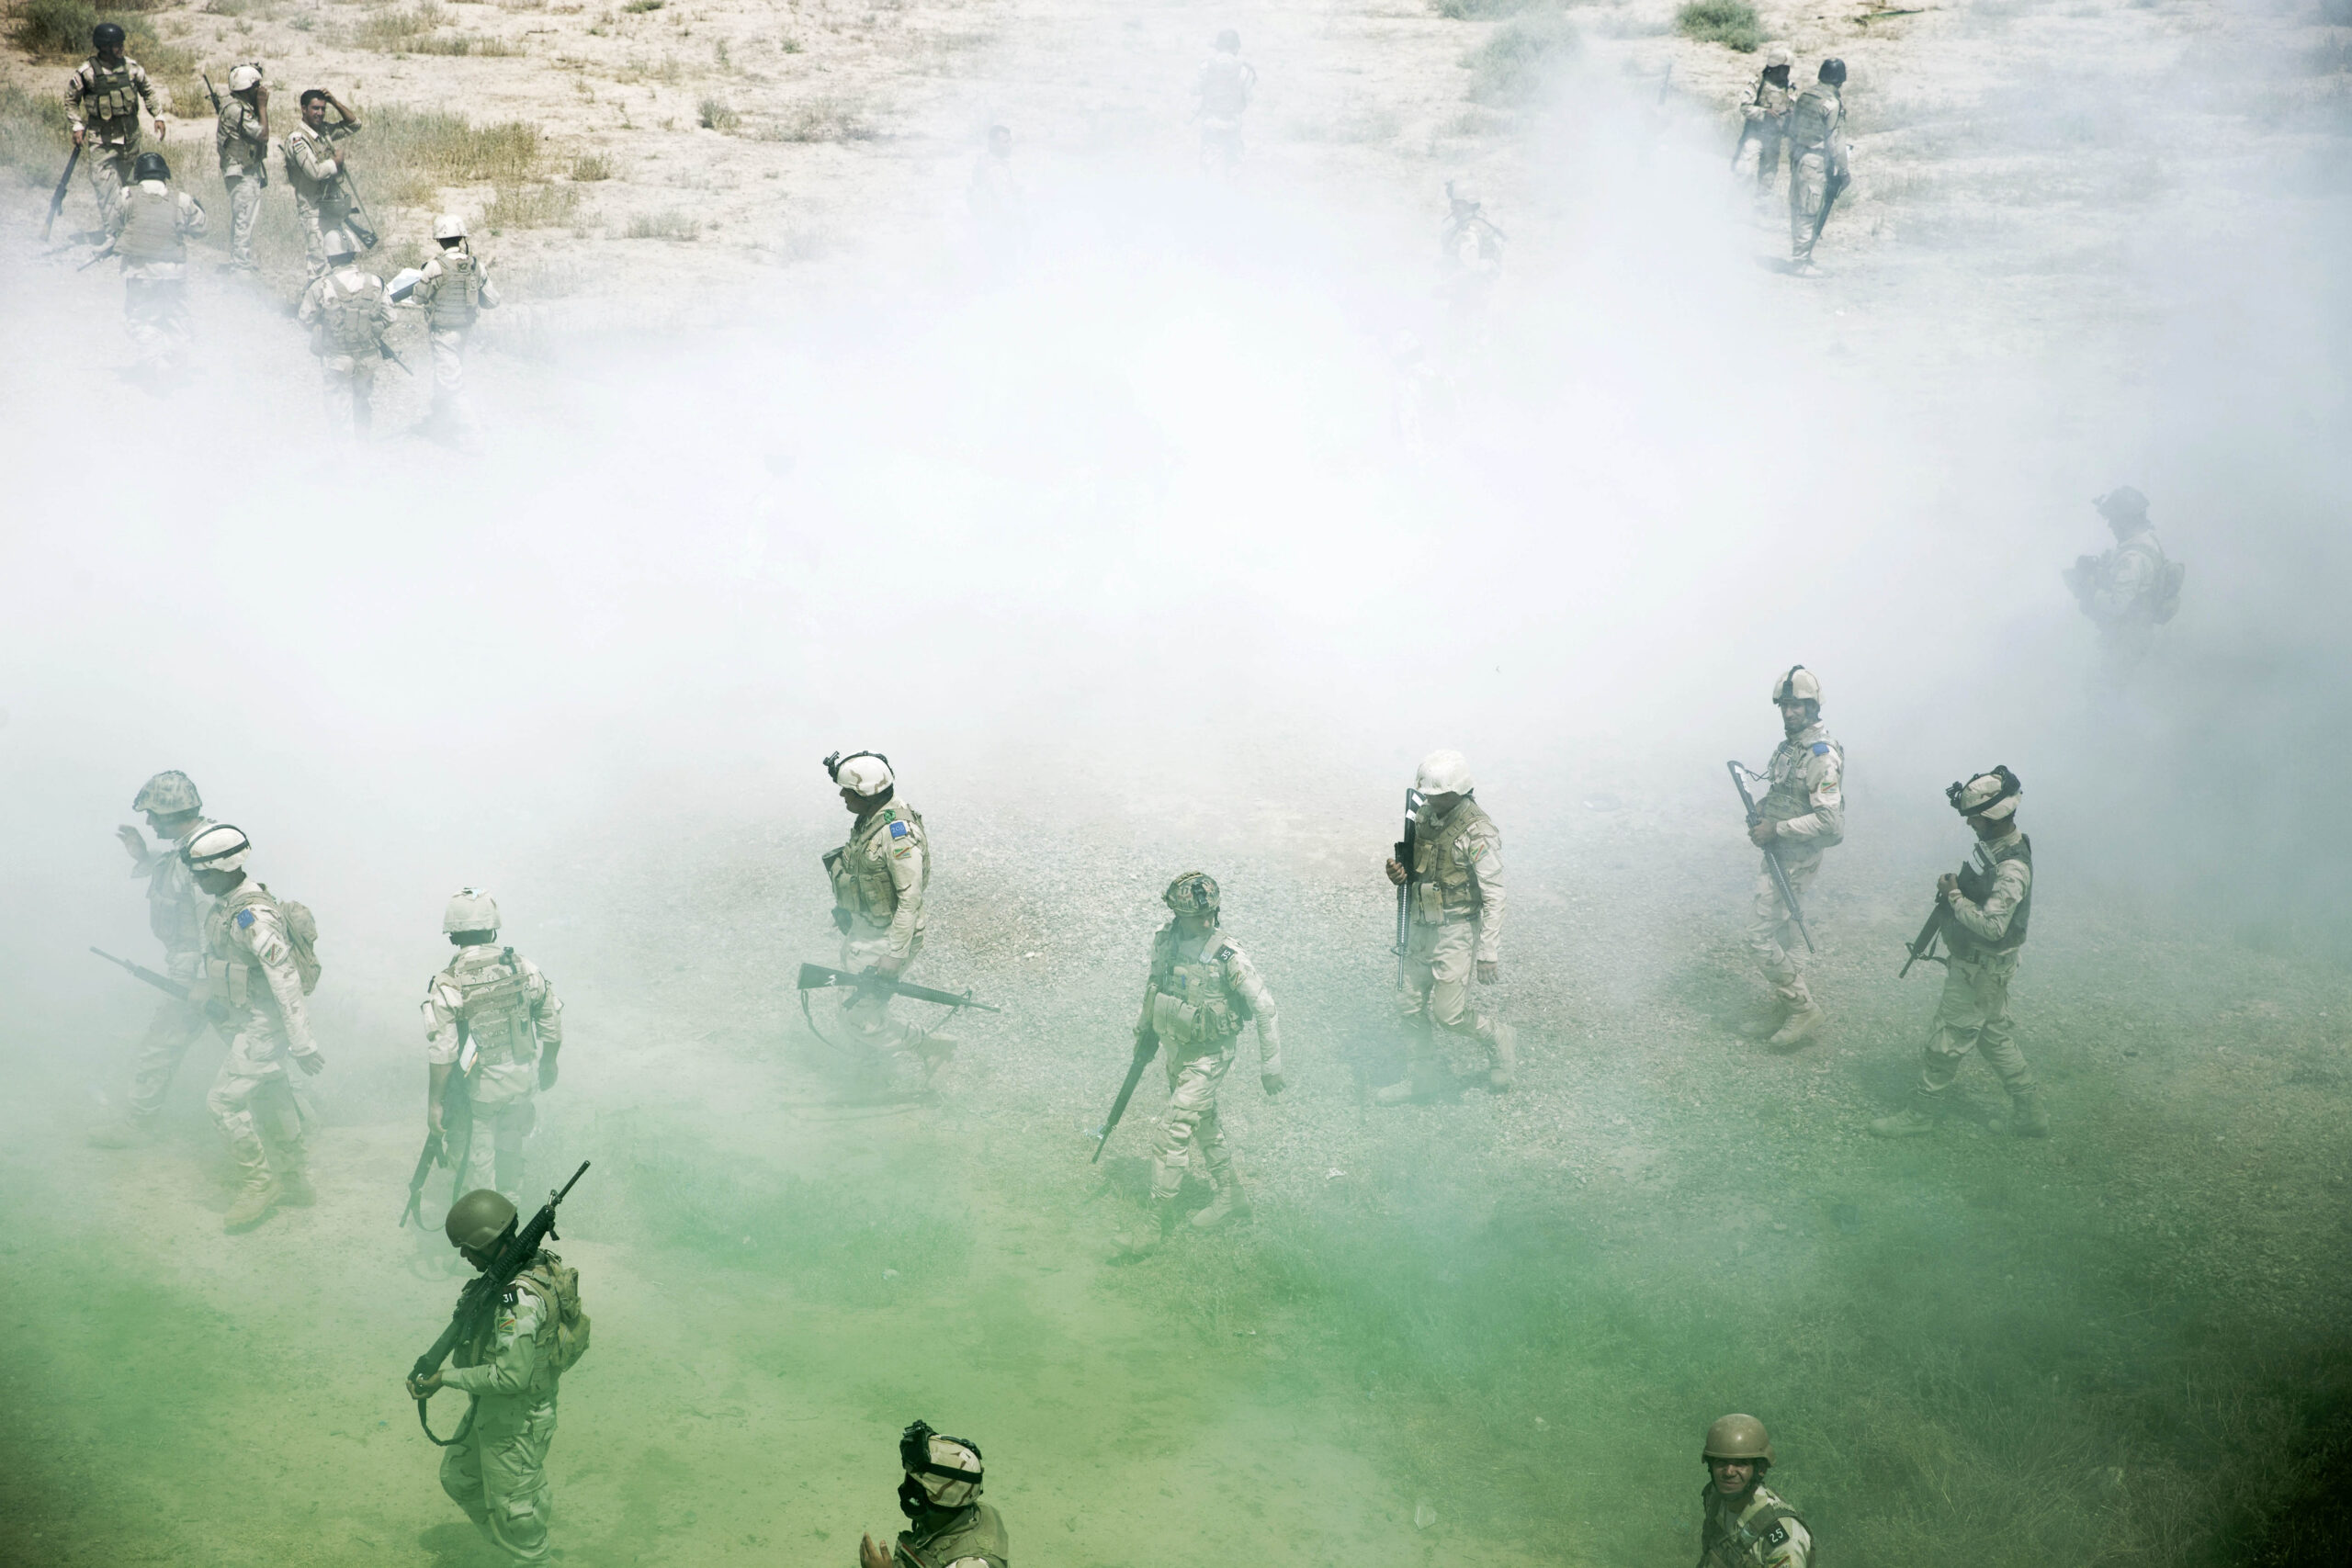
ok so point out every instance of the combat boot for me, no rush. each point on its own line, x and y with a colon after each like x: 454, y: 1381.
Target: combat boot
x: 1403, y: 1089
x: 1921, y: 1115
x: 1157, y: 1223
x: 1766, y: 1024
x: 1799, y: 1027
x: 295, y: 1190
x: 1231, y: 1205
x: 2029, y: 1117
x: 252, y: 1205
x: 130, y: 1132
x: 1502, y: 1049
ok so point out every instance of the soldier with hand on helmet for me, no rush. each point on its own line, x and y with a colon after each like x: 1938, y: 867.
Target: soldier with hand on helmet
x: 492, y: 1019
x: 512, y: 1370
x: 241, y: 142
x: 175, y: 913
x: 1744, y: 1523
x: 349, y: 317
x: 948, y: 1527
x: 102, y: 102
x: 879, y: 878
x: 1455, y: 927
x: 1766, y: 117
x: 452, y: 288
x: 315, y: 159
x: 150, y: 232
x: 1803, y: 813
x: 1200, y: 993
x: 252, y: 966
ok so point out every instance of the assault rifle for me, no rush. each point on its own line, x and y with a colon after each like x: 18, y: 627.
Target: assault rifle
x: 480, y: 1299
x: 57, y: 196
x: 356, y: 220
x: 457, y: 1116
x: 817, y: 978
x: 1414, y: 800
x: 214, y: 1008
x: 1975, y: 881
x: 1834, y: 181
x: 1146, y: 1047
x: 1739, y: 777
x: 260, y: 166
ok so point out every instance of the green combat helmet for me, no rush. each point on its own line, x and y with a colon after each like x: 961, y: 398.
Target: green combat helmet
x: 1194, y: 893
x: 1739, y: 1438
x: 167, y: 794
x: 478, y: 1220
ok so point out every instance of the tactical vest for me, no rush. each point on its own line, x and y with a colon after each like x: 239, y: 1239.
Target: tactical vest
x: 980, y: 1535
x: 1194, y: 1007
x: 561, y: 1338
x: 457, y: 293
x: 1442, y: 890
x: 151, y: 225
x: 232, y: 975
x: 861, y: 879
x: 110, y: 96
x: 1788, y: 796
x: 1225, y: 92
x: 1815, y: 115
x: 495, y: 1009
x: 233, y: 146
x: 1974, y: 884
x: 350, y: 308
x: 1727, y: 1542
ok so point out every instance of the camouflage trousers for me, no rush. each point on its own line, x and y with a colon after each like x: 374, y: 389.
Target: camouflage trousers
x: 155, y: 311
x: 449, y: 400
x: 329, y: 213
x: 1974, y: 1013
x: 106, y: 166
x: 350, y: 382
x: 1772, y: 936
x: 1440, y: 962
x: 244, y: 208
x: 491, y: 1154
x: 498, y: 1474
x: 1190, y: 1123
x: 170, y: 1033
x: 1809, y: 174
x: 251, y: 1095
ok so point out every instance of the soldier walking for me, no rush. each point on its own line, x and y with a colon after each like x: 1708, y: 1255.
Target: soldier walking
x: 1802, y: 815
x: 103, y: 97
x: 150, y: 233
x: 1984, y: 913
x: 1817, y: 159
x: 1221, y: 92
x: 1200, y: 993
x: 315, y: 160
x: 511, y: 1371
x: 493, y: 1022
x: 349, y: 319
x: 947, y: 1525
x: 1454, y: 905
x: 1765, y: 116
x: 175, y: 911
x: 1744, y: 1523
x: 241, y: 142
x: 2128, y: 591
x: 879, y: 878
x: 256, y: 964
x: 452, y: 292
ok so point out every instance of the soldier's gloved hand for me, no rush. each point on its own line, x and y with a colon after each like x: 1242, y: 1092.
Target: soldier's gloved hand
x: 547, y: 1070
x: 1489, y: 970
x: 132, y: 840
x: 1947, y: 885
x: 1272, y: 1083
x: 1398, y: 873
x: 313, y: 1062
x: 1764, y: 832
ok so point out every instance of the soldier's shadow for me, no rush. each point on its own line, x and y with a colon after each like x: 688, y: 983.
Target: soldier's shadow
x: 456, y: 1545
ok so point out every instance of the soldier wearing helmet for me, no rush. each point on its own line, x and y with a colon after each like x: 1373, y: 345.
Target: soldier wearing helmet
x: 103, y: 97
x: 2128, y: 591
x: 1744, y: 1523
x: 175, y: 814
x: 349, y: 316
x: 512, y: 1370
x: 1454, y: 899
x: 949, y: 1525
x: 493, y: 1022
x: 1765, y: 116
x: 256, y: 966
x: 1818, y: 164
x: 1802, y: 815
x: 452, y: 288
x: 879, y: 880
x: 1221, y: 92
x: 1983, y: 913
x: 1200, y: 992
x: 240, y: 143
x: 151, y: 225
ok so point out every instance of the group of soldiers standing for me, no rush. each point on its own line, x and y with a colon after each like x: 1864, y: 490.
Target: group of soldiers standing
x: 1808, y: 124
x: 146, y: 221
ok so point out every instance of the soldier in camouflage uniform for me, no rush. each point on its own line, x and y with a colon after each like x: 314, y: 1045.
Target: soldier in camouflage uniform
x: 1200, y: 993
x: 510, y: 1372
x: 1455, y: 930
x: 256, y: 964
x: 314, y: 167
x: 1221, y: 91
x: 349, y: 317
x: 949, y: 1525
x: 879, y: 878
x: 2128, y: 591
x: 492, y: 1019
x: 175, y: 914
x: 1744, y: 1523
x: 150, y: 233
x: 102, y: 102
x: 1766, y: 117
x: 1817, y: 158
x: 1984, y: 916
x: 241, y: 142
x: 1803, y: 814
x: 452, y: 291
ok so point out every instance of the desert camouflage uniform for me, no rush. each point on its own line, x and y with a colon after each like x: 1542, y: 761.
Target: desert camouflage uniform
x: 1806, y: 800
x: 150, y: 228
x: 879, y: 877
x: 1766, y: 113
x: 322, y: 201
x: 349, y: 317
x: 175, y: 912
x: 456, y: 288
x: 242, y: 148
x: 1223, y: 86
x: 1816, y: 140
x: 2120, y: 595
x: 1457, y: 923
x: 498, y: 1474
x: 249, y: 964
x: 1974, y: 1008
x: 973, y: 1536
x: 1764, y: 1533
x: 103, y: 101
x: 490, y: 1016
x: 1195, y: 1001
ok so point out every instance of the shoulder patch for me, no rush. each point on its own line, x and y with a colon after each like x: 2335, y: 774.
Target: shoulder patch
x: 898, y: 829
x: 244, y: 920
x: 1777, y: 1536
x: 1821, y: 748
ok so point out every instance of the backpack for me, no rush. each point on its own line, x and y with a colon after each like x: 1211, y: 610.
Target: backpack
x: 2164, y: 600
x: 561, y: 1283
x: 302, y: 935
x: 351, y: 317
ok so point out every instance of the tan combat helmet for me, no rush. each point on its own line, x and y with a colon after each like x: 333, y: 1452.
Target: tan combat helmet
x: 1194, y: 893
x: 448, y: 226
x: 1991, y: 796
x: 861, y: 772
x: 470, y: 909
x: 1780, y: 54
x: 335, y: 244
x: 1738, y: 1438
x: 244, y: 78
x: 1444, y: 772
x: 1799, y: 686
x: 944, y: 1472
x: 479, y: 1219
x: 167, y: 794
x: 218, y: 848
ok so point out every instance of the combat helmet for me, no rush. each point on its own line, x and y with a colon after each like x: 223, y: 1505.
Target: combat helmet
x: 1444, y: 772
x: 448, y: 226
x: 2122, y: 504
x: 1194, y: 893
x: 1738, y: 1438
x: 335, y: 244
x: 244, y: 78
x: 942, y: 1472
x: 1780, y: 54
x: 107, y: 35
x: 861, y: 772
x: 1799, y: 686
x: 167, y: 794
x: 150, y: 166
x: 218, y: 848
x: 479, y: 1219
x: 470, y: 909
x: 1833, y: 71
x: 1992, y: 796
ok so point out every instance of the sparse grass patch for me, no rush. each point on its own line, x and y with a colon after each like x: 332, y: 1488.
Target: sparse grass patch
x: 672, y: 224
x: 639, y: 7
x: 716, y: 115
x: 32, y: 133
x: 54, y: 30
x: 1731, y: 23
x: 790, y: 46
x: 590, y: 167
x: 819, y: 119
x: 1518, y: 59
x: 531, y: 207
x: 421, y: 151
x: 1487, y: 10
